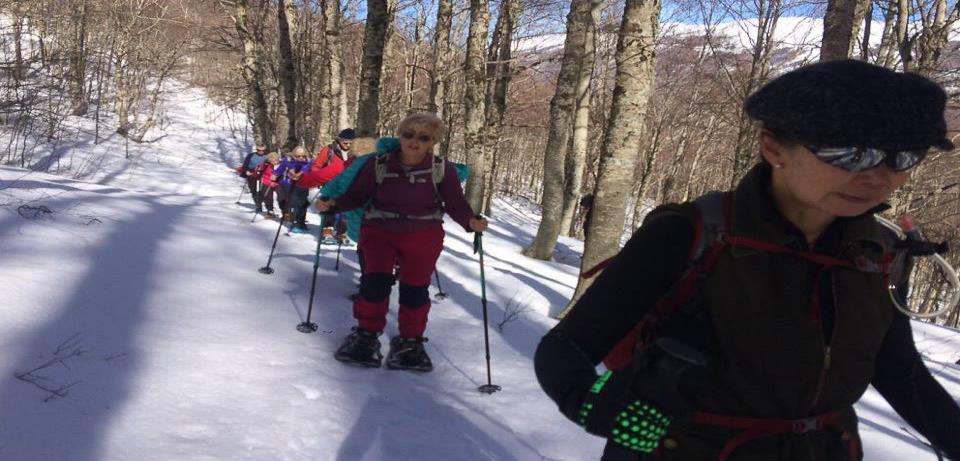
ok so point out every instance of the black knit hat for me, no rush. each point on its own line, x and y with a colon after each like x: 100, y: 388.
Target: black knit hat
x: 852, y: 104
x: 347, y: 134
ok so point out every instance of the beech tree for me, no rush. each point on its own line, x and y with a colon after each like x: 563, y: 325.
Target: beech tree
x: 625, y: 132
x: 577, y: 55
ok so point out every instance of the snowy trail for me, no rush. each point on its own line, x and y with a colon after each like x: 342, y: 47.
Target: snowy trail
x: 140, y: 292
x: 186, y: 352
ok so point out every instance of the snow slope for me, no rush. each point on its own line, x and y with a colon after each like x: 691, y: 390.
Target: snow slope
x: 135, y: 302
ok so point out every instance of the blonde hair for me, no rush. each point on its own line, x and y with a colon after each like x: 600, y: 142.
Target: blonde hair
x: 428, y: 120
x: 273, y: 156
x: 363, y: 146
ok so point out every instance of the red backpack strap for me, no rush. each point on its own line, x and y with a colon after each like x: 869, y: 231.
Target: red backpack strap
x: 711, y: 217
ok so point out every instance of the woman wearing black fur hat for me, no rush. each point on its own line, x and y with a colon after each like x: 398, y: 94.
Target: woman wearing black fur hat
x: 766, y: 313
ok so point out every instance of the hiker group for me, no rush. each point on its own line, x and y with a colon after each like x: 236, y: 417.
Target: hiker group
x: 287, y: 181
x: 388, y: 195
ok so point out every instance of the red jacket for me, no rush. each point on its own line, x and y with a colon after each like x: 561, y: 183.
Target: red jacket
x: 326, y: 166
x: 266, y: 174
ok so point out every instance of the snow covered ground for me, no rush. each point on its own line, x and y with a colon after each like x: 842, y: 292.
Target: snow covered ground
x: 136, y: 326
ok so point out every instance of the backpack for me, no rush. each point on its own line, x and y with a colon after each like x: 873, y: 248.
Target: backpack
x: 436, y: 172
x: 712, y: 237
x: 330, y: 155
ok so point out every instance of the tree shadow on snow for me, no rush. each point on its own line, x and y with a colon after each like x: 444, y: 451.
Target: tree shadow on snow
x: 534, y: 281
x: 523, y: 336
x: 95, y: 332
x: 886, y: 430
x: 402, y: 421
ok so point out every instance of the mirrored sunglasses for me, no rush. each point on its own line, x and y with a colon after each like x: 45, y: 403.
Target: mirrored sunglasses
x: 854, y: 159
x: 411, y: 135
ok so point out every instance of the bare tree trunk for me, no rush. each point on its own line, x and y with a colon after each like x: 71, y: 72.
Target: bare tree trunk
x: 867, y: 25
x: 562, y: 109
x: 288, y: 70
x: 623, y: 136
x: 745, y: 150
x: 499, y: 73
x: 933, y: 38
x: 841, y: 28
x: 78, y: 60
x: 473, y: 101
x: 374, y: 41
x: 18, y: 65
x: 441, y: 51
x: 576, y: 159
x: 253, y: 75
x: 333, y: 73
x: 903, y: 22
x: 887, y: 53
x: 410, y: 76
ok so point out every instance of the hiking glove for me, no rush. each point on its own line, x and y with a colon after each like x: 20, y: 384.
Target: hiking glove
x: 612, y: 410
x: 639, y: 426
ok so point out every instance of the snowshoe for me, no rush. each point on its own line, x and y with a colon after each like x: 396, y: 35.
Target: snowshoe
x: 344, y: 240
x: 270, y: 215
x: 360, y: 347
x: 326, y: 236
x: 297, y: 230
x: 408, y: 354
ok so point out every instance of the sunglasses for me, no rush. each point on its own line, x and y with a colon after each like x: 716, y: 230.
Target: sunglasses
x: 854, y: 159
x: 421, y: 138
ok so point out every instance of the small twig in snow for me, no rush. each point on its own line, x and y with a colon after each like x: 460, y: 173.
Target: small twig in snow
x: 66, y: 350
x: 512, y: 311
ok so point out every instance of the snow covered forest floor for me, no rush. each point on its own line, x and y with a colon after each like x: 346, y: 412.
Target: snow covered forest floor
x: 136, y: 326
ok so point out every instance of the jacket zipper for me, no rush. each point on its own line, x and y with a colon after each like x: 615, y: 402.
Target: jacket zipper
x: 827, y: 351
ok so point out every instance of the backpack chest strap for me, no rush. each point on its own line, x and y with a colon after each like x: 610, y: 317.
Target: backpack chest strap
x: 860, y: 263
x: 757, y: 428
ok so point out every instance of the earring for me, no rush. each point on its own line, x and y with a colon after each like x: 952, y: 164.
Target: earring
x: 778, y: 165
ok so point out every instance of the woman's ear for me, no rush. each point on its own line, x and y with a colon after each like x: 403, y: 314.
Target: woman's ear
x: 771, y: 148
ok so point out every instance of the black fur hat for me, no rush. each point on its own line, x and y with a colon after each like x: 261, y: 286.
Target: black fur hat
x: 851, y: 103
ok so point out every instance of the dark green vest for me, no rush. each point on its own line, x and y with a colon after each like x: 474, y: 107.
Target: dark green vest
x: 771, y: 353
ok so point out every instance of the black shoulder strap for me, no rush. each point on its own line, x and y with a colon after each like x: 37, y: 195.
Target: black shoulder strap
x: 709, y: 215
x: 713, y: 221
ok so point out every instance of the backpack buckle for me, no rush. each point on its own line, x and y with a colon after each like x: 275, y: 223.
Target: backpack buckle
x: 802, y: 426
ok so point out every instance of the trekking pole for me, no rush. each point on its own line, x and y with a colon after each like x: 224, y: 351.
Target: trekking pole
x: 243, y: 188
x: 488, y: 388
x: 307, y: 326
x: 440, y: 294
x: 259, y: 202
x: 266, y: 269
x: 336, y: 225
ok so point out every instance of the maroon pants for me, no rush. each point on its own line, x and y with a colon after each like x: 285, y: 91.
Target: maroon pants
x: 417, y: 253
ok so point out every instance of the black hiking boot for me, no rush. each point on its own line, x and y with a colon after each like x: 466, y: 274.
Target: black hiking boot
x: 408, y: 354
x: 360, y: 347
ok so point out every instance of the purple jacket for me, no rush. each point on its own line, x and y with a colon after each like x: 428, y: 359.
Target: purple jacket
x: 289, y: 164
x: 398, y: 195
